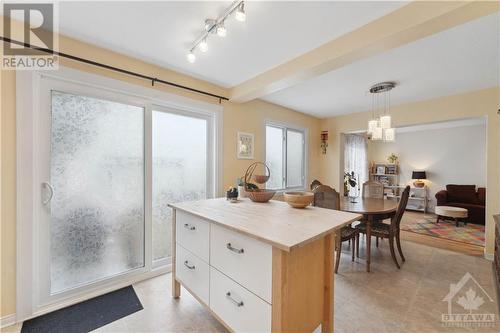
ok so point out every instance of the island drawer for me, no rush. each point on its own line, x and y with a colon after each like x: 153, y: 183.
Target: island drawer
x: 244, y: 259
x: 192, y: 232
x: 193, y: 273
x: 236, y: 306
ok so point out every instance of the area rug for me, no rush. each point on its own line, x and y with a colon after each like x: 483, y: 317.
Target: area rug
x: 87, y: 316
x: 470, y: 233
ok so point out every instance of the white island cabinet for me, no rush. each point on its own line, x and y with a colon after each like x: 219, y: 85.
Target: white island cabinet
x: 258, y: 267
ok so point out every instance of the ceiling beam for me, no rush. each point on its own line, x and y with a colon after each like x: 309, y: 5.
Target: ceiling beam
x: 414, y: 21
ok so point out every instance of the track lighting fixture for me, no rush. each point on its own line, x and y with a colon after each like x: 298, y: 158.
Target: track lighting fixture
x: 203, y: 45
x: 216, y: 26
x: 191, y: 57
x: 221, y: 30
x: 240, y: 13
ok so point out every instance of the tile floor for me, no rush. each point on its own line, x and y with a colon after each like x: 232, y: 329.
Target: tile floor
x: 385, y: 300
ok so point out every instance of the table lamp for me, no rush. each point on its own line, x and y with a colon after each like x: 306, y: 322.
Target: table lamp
x: 418, y: 175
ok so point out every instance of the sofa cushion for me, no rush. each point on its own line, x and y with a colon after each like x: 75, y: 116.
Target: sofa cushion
x: 481, y: 195
x: 462, y: 193
x: 465, y: 205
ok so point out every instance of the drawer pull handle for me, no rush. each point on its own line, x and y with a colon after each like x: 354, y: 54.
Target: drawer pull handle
x: 238, y: 304
x: 189, y: 227
x: 186, y: 263
x: 230, y: 247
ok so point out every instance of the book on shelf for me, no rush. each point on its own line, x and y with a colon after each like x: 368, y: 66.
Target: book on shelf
x: 391, y: 169
x: 384, y: 180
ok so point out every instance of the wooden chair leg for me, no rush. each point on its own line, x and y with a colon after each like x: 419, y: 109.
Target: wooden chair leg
x: 357, y: 245
x: 393, y: 255
x: 376, y: 241
x: 398, y: 243
x: 337, y: 255
x: 353, y: 248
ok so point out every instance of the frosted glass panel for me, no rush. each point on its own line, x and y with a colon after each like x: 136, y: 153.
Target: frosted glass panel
x: 274, y: 156
x: 294, y: 158
x: 97, y: 212
x: 179, y: 171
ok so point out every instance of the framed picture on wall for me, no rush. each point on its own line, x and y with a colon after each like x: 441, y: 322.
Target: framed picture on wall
x: 245, y: 147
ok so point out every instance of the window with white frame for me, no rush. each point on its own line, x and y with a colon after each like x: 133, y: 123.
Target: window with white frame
x: 285, y: 156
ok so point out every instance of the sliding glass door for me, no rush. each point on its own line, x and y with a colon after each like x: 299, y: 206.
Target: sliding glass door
x: 108, y: 164
x: 180, y: 170
x: 97, y: 190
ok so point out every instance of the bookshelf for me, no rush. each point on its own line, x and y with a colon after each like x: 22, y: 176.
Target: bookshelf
x: 388, y: 174
x: 418, y: 199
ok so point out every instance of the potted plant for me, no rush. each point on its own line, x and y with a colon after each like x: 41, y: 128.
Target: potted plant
x: 393, y: 158
x: 351, y: 185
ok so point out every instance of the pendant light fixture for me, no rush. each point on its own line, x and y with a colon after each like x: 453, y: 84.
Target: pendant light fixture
x: 216, y: 26
x: 380, y: 128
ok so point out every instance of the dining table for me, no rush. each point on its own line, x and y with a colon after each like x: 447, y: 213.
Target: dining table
x: 372, y: 209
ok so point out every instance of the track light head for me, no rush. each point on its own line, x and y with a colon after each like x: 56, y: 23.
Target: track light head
x: 191, y: 57
x: 203, y: 46
x: 221, y: 30
x: 209, y: 23
x: 240, y: 13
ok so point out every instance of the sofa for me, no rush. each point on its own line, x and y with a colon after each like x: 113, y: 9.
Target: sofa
x: 465, y: 196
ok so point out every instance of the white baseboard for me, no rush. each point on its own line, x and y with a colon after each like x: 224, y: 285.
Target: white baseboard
x: 7, y: 320
x: 489, y: 256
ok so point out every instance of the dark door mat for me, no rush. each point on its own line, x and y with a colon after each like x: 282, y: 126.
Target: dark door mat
x: 88, y: 315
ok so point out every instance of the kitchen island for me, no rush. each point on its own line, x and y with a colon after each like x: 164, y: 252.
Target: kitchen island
x: 258, y: 267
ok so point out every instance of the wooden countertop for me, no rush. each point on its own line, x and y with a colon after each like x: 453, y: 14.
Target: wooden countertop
x: 274, y: 222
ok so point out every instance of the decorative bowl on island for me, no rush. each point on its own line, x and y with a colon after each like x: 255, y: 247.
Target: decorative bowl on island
x: 299, y: 199
x: 260, y: 195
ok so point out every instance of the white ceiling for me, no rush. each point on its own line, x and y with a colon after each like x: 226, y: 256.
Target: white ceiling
x: 162, y: 32
x: 461, y: 59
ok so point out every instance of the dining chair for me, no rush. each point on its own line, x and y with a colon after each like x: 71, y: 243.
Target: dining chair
x: 390, y: 231
x: 314, y: 183
x: 373, y: 189
x: 327, y: 197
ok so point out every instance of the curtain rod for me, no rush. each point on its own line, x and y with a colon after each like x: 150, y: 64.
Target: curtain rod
x: 112, y: 68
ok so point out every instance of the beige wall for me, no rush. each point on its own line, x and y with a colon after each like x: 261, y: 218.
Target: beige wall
x: 251, y: 117
x: 438, y: 151
x: 248, y: 117
x: 473, y: 104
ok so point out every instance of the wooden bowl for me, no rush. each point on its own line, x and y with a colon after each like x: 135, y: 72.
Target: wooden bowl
x: 299, y: 199
x: 260, y: 195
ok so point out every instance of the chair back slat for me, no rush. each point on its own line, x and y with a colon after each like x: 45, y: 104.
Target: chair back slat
x: 315, y: 183
x: 396, y: 219
x: 372, y: 189
x: 326, y: 197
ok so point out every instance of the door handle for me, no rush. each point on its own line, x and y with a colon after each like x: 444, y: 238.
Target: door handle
x: 51, y: 193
